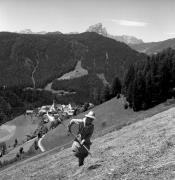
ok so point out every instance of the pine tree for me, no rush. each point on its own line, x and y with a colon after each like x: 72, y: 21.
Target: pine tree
x: 128, y: 80
x: 116, y: 87
x: 105, y: 96
x: 138, y: 91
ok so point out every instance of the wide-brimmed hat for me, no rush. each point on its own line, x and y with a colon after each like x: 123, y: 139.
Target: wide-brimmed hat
x: 91, y: 115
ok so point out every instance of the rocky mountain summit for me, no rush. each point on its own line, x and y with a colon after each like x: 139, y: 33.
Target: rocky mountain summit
x: 99, y: 29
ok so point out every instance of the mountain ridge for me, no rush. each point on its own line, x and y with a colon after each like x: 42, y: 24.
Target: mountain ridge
x: 154, y: 47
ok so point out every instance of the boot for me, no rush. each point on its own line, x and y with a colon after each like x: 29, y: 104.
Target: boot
x: 81, y: 161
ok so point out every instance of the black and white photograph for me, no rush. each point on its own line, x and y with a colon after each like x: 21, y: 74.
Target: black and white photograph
x: 87, y: 90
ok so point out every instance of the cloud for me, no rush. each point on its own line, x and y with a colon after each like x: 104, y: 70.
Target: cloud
x: 171, y: 33
x: 130, y: 23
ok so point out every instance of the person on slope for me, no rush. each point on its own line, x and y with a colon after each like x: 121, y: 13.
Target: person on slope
x: 85, y: 131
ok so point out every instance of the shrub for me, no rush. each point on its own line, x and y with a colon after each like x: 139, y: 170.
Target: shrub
x: 21, y: 150
x: 118, y: 96
x: 36, y: 145
x: 39, y: 134
x: 126, y: 106
x: 17, y: 155
x: 16, y: 142
x: 3, y: 147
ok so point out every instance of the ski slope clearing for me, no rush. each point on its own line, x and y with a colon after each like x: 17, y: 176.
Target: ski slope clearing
x: 79, y: 71
x: 143, y: 150
x: 76, y: 73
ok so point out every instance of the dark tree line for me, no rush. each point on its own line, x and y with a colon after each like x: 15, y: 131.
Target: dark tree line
x: 110, y: 91
x: 151, y: 81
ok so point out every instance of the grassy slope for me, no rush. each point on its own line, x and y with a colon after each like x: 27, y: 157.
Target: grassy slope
x: 143, y: 150
x: 110, y: 115
x: 12, y: 154
x: 24, y: 126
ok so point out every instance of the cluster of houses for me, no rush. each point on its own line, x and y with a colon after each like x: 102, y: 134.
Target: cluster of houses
x: 52, y: 111
x: 65, y: 109
x: 57, y: 110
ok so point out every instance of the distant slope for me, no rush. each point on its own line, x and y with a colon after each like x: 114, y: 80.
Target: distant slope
x: 24, y: 126
x: 143, y: 150
x: 153, y: 47
x: 26, y: 147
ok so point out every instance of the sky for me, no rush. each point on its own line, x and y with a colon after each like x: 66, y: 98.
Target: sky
x: 149, y: 20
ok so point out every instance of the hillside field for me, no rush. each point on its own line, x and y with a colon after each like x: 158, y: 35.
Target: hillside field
x: 142, y: 150
x: 110, y: 115
x: 12, y: 154
x: 24, y: 125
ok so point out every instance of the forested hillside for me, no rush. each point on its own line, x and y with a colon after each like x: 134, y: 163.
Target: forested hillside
x: 151, y: 81
x: 56, y: 54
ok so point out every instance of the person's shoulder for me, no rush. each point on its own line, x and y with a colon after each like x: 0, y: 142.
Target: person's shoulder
x: 77, y: 120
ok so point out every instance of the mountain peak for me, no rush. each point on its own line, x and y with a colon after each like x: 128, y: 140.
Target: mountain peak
x: 99, y: 29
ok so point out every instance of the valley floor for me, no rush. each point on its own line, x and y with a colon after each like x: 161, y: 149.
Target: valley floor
x: 143, y: 150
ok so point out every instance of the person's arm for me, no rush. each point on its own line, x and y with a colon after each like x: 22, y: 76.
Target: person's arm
x: 74, y: 121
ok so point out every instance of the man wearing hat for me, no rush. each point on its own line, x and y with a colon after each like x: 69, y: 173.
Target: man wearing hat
x: 85, y: 130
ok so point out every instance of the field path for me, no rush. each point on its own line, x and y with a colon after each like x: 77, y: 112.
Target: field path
x: 33, y: 72
x: 40, y: 145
